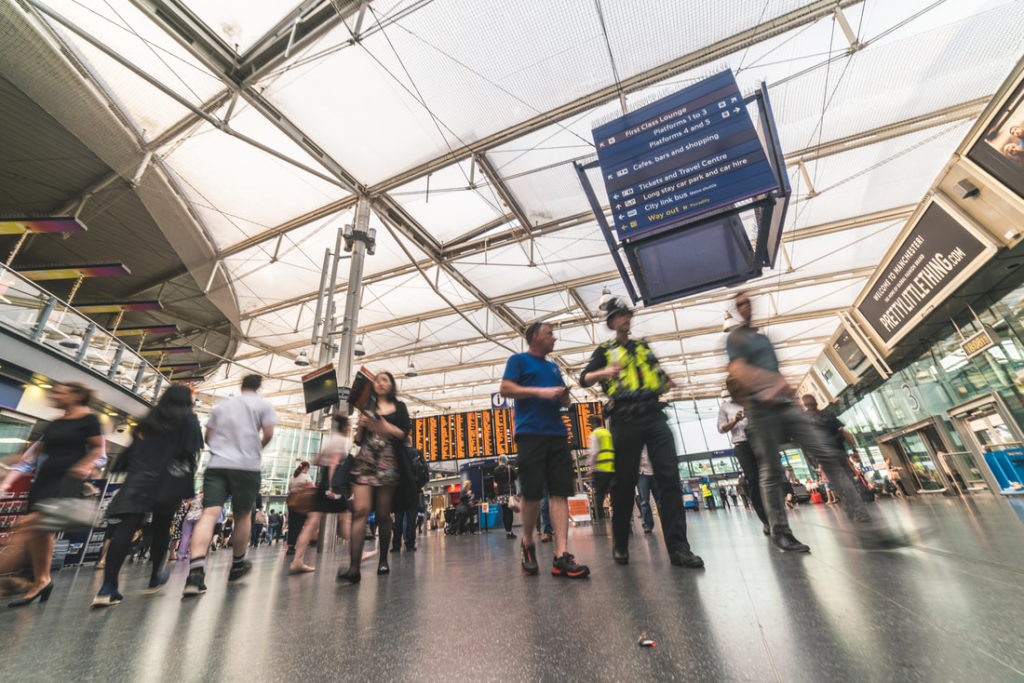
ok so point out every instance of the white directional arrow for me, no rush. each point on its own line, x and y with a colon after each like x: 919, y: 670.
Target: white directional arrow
x: 736, y: 110
x: 610, y: 176
x: 615, y: 196
x: 621, y: 216
x: 618, y: 206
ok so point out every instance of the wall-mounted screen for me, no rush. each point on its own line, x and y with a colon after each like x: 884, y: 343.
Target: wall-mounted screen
x: 1000, y: 151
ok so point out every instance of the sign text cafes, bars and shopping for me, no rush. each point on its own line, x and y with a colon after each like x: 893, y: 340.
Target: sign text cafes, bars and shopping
x: 488, y: 433
x: 937, y: 250
x: 691, y: 152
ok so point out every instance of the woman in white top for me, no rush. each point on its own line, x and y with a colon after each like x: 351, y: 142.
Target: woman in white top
x: 300, y: 480
x: 332, y: 452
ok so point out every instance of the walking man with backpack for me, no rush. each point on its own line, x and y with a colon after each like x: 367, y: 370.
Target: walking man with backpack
x: 405, y: 520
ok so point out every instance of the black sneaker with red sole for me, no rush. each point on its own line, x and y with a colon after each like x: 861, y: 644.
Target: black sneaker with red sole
x: 528, y: 555
x: 566, y: 566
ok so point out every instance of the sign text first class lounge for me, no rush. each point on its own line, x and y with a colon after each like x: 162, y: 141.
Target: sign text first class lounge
x: 691, y: 152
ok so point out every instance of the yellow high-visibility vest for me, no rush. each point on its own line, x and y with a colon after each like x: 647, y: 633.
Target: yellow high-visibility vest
x: 639, y: 369
x: 605, y: 451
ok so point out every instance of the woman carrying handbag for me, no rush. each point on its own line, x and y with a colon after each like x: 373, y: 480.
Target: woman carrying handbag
x: 327, y: 499
x: 505, y: 480
x: 73, y: 447
x: 161, y: 465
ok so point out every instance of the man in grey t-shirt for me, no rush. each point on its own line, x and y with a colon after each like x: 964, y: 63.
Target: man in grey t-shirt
x: 238, y: 429
x: 768, y: 401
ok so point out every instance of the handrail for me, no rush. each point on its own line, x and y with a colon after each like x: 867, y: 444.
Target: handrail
x: 43, y: 324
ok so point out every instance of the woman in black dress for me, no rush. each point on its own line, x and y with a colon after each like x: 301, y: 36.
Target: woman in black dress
x: 332, y: 453
x: 378, y: 467
x: 69, y: 450
x: 161, y: 465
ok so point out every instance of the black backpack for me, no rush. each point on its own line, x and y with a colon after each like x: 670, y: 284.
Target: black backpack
x: 418, y: 464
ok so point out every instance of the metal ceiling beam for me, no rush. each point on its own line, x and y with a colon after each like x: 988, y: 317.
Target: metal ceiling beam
x: 468, y: 244
x: 899, y: 213
x: 179, y: 23
x: 509, y: 236
x: 808, y: 14
x: 494, y: 378
x: 957, y: 112
x: 754, y: 288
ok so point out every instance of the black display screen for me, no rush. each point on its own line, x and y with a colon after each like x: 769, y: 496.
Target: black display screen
x: 693, y: 259
x: 320, y: 390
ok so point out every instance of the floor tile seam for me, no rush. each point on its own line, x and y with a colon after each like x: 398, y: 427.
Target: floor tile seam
x: 921, y: 617
x: 757, y: 616
x: 938, y: 551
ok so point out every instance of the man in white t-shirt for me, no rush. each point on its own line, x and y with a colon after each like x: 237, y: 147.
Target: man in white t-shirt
x: 238, y: 429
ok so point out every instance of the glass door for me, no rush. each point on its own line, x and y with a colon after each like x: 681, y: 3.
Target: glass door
x: 920, y: 461
x: 985, y: 425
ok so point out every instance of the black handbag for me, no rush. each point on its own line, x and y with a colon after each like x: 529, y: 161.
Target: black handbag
x: 341, y: 480
x: 177, y: 481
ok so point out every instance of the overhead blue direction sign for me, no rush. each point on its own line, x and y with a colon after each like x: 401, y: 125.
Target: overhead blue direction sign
x: 686, y: 154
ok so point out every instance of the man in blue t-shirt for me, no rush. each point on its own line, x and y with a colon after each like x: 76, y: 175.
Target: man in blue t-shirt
x: 542, y: 443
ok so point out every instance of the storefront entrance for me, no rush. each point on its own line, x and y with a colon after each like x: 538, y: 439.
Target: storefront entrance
x: 921, y: 452
x: 987, y: 429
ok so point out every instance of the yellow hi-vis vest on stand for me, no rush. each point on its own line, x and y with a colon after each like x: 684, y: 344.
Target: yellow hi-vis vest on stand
x: 605, y: 451
x: 640, y: 370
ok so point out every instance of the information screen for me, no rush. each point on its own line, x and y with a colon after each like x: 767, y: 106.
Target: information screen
x: 1000, y: 151
x: 488, y: 433
x: 714, y: 253
x: 687, y: 154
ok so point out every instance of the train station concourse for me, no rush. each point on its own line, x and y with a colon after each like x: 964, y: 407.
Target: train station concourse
x: 419, y: 339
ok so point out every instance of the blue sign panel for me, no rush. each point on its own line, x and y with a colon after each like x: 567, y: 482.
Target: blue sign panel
x: 682, y: 156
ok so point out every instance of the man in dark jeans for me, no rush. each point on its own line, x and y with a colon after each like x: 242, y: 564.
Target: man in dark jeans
x: 733, y: 420
x: 405, y: 520
x: 768, y: 400
x: 631, y: 377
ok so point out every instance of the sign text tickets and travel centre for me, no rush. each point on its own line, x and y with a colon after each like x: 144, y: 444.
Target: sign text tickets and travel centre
x: 684, y: 155
x: 938, y: 249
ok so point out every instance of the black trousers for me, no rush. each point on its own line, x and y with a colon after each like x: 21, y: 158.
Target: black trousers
x: 602, y: 484
x: 296, y: 520
x: 121, y: 543
x: 630, y: 434
x: 404, y: 524
x: 748, y: 463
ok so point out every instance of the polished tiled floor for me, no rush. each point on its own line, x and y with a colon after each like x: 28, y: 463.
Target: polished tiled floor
x: 948, y: 608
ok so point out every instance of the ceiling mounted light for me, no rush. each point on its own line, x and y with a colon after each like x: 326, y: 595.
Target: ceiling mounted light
x: 359, y: 350
x: 606, y: 296
x: 303, y: 360
x: 411, y: 371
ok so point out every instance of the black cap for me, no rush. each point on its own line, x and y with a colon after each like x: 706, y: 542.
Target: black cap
x: 614, y: 307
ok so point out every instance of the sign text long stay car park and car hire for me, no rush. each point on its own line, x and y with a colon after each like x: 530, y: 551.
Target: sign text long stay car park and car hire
x: 686, y: 154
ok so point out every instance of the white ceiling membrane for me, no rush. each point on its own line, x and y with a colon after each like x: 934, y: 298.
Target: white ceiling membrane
x: 472, y: 121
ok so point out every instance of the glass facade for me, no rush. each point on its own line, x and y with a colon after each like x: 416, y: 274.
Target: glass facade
x: 280, y: 457
x: 940, y: 379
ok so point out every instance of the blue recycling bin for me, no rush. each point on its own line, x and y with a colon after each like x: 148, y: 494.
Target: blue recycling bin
x: 492, y: 519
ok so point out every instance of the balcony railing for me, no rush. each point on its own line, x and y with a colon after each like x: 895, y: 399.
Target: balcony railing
x: 35, y: 314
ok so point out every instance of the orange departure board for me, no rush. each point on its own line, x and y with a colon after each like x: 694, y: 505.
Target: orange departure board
x: 583, y: 412
x: 444, y: 441
x: 459, y: 445
x: 473, y: 449
x: 504, y: 442
x: 489, y: 433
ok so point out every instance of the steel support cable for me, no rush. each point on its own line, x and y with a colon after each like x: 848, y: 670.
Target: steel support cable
x: 426, y: 278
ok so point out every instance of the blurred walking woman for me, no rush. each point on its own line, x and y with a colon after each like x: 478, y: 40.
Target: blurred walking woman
x: 70, y: 449
x: 161, y: 467
x: 378, y: 466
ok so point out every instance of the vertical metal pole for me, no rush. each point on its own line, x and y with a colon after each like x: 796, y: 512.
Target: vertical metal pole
x: 329, y: 527
x: 352, y: 295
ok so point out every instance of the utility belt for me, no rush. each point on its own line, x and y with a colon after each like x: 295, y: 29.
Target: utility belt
x: 633, y: 407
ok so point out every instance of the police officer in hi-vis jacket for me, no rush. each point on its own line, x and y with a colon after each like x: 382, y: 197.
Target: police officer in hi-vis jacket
x: 630, y: 376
